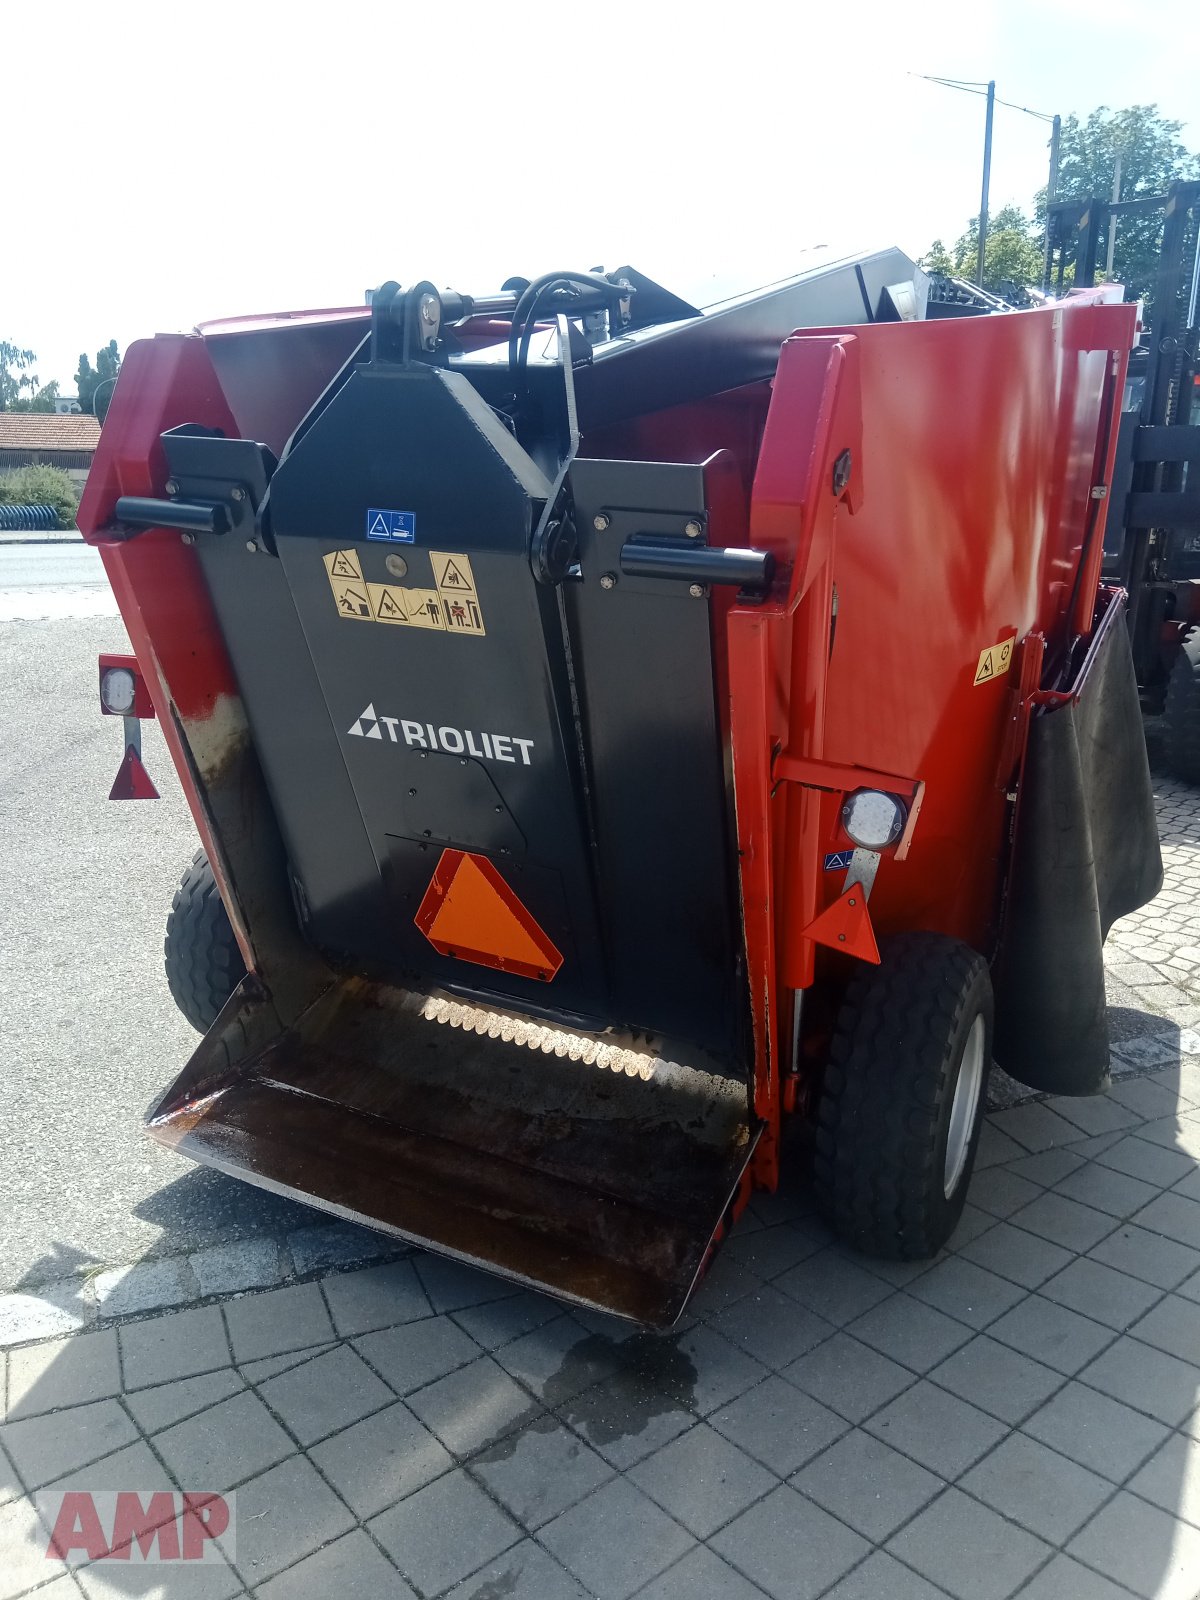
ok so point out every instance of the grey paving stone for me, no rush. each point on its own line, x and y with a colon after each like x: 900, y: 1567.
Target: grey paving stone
x: 1065, y: 1579
x: 46, y: 1312
x: 378, y: 1461
x: 559, y: 1359
x: 1094, y: 1113
x: 155, y: 1409
x: 970, y: 1225
x: 135, y: 1466
x: 375, y: 1297
x: 538, y: 1473
x: 1035, y: 1486
x: 339, y: 1244
x: 411, y: 1356
x: 936, y: 1428
x: 995, y: 1147
x: 43, y: 1448
x: 867, y: 1484
x: 501, y: 1321
x: 702, y: 1479
x: 905, y: 1330
x: 523, y: 1572
x: 1150, y: 1163
x: 1147, y: 1098
x: 1190, y: 1290
x: 701, y: 1575
x: 1174, y: 1326
x: 102, y: 1581
x: 63, y: 1372
x: 1051, y: 1334
x: 1148, y: 1256
x: 1148, y: 1379
x: 998, y: 1380
x: 1048, y: 1167
x: 352, y: 1568
x: 1174, y: 1216
x: 1181, y: 1134
x: 881, y: 1577
x: 767, y: 1252
x: 1034, y: 1126
x: 1171, y: 1478
x: 178, y: 1346
x: 452, y: 1286
x: 1001, y: 1191
x: 144, y: 1286
x: 833, y: 1287
x: 968, y: 1549
x: 1063, y: 1222
x: 284, y: 1515
x: 1153, y: 1554
x: 849, y: 1377
x: 325, y: 1395
x: 1021, y: 1257
x: 1114, y: 1193
x: 233, y: 1268
x: 472, y: 1406
x: 272, y: 1366
x: 10, y: 1483
x: 220, y: 1447
x: 724, y: 1283
x: 966, y: 1291
x: 1189, y: 1185
x: 277, y: 1320
x: 778, y: 1425
x: 616, y: 1540
x: 722, y: 1371
x: 771, y: 1326
x: 627, y: 1417
x: 789, y: 1546
x: 23, y: 1563
x: 1095, y: 1430
x: 1100, y: 1292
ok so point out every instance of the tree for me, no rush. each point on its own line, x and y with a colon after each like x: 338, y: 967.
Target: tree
x: 16, y: 378
x: 1013, y: 258
x: 937, y: 259
x: 41, y: 486
x: 89, y: 378
x: 1151, y: 159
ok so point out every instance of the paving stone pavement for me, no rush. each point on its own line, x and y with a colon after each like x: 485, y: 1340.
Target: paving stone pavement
x: 1019, y: 1418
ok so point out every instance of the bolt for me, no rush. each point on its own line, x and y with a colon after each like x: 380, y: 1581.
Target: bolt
x: 608, y: 580
x: 841, y: 938
x: 187, y: 538
x: 499, y: 811
x: 851, y: 902
x: 600, y: 522
x: 429, y: 311
x: 463, y: 761
x: 693, y: 529
x: 696, y: 590
x: 237, y: 494
x: 251, y: 546
x: 426, y: 833
x: 172, y: 486
x: 411, y: 793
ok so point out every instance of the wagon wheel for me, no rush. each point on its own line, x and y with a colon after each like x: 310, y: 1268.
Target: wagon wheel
x: 204, y: 964
x: 1183, y: 710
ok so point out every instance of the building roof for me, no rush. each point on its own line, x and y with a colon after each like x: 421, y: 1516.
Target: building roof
x: 31, y: 430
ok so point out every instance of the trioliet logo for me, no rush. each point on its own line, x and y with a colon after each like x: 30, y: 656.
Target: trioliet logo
x: 454, y: 741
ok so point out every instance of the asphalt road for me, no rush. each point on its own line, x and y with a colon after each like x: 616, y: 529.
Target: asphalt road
x: 88, y: 1031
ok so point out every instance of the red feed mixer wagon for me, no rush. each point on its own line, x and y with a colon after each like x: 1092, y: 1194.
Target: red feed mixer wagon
x: 619, y: 730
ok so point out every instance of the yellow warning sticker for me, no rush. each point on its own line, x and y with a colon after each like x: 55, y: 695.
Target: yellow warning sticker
x: 407, y: 608
x: 995, y: 661
x: 350, y: 594
x: 461, y: 611
x: 342, y: 564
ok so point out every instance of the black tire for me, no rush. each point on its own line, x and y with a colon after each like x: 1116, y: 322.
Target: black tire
x: 204, y: 964
x: 1183, y: 710
x: 883, y: 1117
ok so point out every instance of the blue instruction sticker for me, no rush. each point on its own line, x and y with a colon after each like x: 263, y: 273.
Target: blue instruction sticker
x: 839, y: 861
x: 398, y: 527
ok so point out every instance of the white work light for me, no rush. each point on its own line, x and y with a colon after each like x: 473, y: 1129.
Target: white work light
x: 117, y: 690
x: 873, y: 819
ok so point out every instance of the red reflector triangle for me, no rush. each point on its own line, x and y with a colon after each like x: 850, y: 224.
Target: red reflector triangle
x: 471, y: 914
x: 846, y: 926
x: 132, y: 781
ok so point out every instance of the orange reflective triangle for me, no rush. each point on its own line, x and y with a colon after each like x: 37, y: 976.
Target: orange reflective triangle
x: 132, y: 782
x: 471, y: 914
x: 846, y: 926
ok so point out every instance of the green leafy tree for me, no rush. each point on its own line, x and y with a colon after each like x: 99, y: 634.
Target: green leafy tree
x: 1013, y: 254
x: 18, y: 382
x: 89, y: 379
x: 1152, y: 157
x: 43, y: 400
x: 41, y: 486
x: 937, y: 259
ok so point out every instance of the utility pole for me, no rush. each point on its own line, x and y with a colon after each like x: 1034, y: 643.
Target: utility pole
x: 987, y: 181
x: 1112, y: 220
x: 1051, y: 191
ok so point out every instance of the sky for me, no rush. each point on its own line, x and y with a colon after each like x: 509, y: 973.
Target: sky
x: 167, y: 164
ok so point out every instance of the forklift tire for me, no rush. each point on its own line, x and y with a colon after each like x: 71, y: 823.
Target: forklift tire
x: 1183, y: 710
x: 901, y: 1105
x: 203, y: 961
